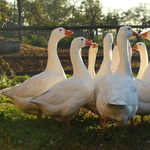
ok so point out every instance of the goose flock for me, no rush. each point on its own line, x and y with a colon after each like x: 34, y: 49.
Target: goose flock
x: 113, y: 93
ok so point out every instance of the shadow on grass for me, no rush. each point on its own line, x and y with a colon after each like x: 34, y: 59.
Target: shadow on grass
x: 20, y: 131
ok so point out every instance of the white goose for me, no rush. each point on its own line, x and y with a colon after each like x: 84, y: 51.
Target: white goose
x: 106, y: 66
x: 146, y: 74
x: 41, y: 82
x: 63, y: 100
x: 118, y: 97
x: 146, y: 34
x: 104, y: 71
x: 141, y: 47
x: 91, y: 59
x: 142, y: 86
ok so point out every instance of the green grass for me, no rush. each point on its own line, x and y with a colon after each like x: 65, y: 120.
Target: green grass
x: 19, y: 131
x: 6, y: 81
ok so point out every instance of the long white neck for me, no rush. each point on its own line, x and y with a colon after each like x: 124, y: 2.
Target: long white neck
x: 79, y: 69
x: 115, y: 58
x: 91, y: 63
x: 143, y: 63
x: 106, y: 66
x: 124, y: 66
x: 129, y: 52
x: 53, y: 62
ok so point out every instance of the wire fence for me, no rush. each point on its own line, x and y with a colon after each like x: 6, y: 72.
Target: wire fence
x: 62, y: 58
x: 14, y: 32
x: 9, y: 32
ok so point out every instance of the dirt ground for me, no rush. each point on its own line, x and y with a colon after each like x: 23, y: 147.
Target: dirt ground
x: 39, y: 65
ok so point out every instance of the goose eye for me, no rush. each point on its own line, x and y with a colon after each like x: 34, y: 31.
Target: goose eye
x: 60, y: 29
x: 128, y: 28
x: 81, y: 39
x: 139, y: 44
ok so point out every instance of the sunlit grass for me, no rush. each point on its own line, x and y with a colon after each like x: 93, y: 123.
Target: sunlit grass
x: 134, y: 75
x: 24, y: 131
x: 19, y: 131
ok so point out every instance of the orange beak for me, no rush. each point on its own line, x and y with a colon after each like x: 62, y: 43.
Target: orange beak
x: 68, y: 32
x: 95, y: 45
x: 88, y: 43
x: 144, y: 34
x: 135, y: 46
x: 135, y: 33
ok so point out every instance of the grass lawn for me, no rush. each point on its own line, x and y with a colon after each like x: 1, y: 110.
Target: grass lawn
x: 20, y: 131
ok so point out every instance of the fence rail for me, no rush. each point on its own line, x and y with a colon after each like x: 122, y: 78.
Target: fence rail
x: 69, y: 27
x: 61, y: 57
x: 19, y: 29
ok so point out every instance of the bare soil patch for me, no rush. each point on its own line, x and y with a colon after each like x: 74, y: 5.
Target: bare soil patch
x: 40, y: 64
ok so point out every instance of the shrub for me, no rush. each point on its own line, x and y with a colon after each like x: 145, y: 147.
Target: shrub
x: 34, y: 40
x: 66, y: 41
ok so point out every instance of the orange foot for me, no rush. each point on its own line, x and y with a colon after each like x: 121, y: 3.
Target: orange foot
x: 105, y: 122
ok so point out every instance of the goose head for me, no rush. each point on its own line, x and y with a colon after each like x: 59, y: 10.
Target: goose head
x: 140, y: 46
x: 126, y: 32
x: 108, y: 39
x: 146, y: 34
x: 93, y: 48
x: 80, y: 42
x: 60, y: 32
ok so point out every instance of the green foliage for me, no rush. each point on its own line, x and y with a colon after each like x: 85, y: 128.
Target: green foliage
x: 136, y: 15
x: 146, y: 41
x: 133, y: 40
x: 4, y: 62
x: 111, y: 18
x: 91, y: 11
x: 68, y: 76
x: 25, y: 40
x: 4, y: 10
x: 98, y: 39
x: 19, y: 79
x: 6, y: 82
x: 74, y: 13
x: 33, y: 13
x: 33, y: 39
x: 66, y: 41
x: 39, y: 41
x: 134, y: 75
x: 45, y: 12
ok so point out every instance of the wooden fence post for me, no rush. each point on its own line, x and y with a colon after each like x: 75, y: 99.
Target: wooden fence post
x: 19, y: 18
